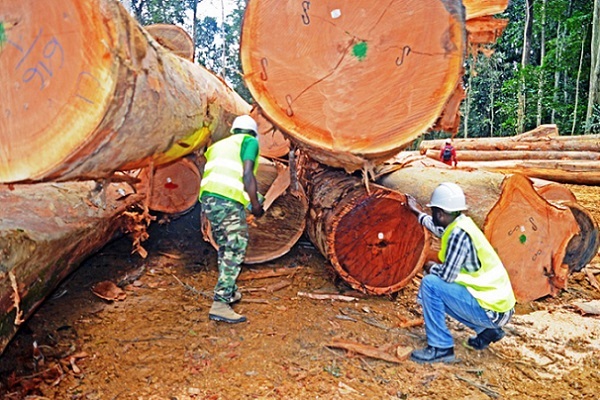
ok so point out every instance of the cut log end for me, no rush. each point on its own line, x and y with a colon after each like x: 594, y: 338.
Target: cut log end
x: 378, y: 244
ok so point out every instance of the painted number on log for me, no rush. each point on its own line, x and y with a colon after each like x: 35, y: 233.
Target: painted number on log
x: 40, y: 70
x: 305, y: 8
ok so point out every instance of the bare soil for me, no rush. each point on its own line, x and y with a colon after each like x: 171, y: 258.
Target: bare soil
x: 158, y: 342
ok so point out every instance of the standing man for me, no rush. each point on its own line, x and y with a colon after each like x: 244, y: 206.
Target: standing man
x: 471, y: 284
x: 448, y: 153
x: 228, y: 187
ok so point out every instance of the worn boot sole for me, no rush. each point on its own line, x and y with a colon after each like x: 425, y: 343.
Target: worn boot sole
x: 447, y: 360
x: 219, y: 318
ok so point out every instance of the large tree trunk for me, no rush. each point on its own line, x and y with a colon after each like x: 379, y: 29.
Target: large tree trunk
x: 480, y: 8
x: 530, y: 234
x: 46, y: 230
x: 519, y: 155
x: 372, y: 240
x: 283, y: 223
x: 87, y: 91
x: 353, y: 83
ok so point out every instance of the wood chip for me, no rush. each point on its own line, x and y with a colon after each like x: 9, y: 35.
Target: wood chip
x: 402, y: 353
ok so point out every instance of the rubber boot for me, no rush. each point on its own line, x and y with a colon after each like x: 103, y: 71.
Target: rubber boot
x: 223, y: 312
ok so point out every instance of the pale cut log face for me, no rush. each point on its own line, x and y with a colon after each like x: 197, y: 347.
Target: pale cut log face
x: 55, y: 79
x: 360, y: 78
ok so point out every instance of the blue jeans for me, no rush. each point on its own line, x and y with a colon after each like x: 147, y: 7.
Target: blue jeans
x: 439, y: 298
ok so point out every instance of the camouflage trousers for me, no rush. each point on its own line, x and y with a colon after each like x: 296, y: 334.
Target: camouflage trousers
x: 230, y: 232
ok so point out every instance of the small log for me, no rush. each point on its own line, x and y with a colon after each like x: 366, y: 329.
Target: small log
x: 272, y: 143
x: 530, y: 234
x: 173, y: 188
x: 91, y: 92
x: 321, y: 70
x: 46, y: 230
x: 278, y: 230
x: 357, y: 229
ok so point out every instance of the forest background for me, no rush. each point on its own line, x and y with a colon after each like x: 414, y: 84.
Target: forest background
x: 545, y: 67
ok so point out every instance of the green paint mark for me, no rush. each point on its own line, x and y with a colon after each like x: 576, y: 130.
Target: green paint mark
x: 522, y: 239
x: 2, y: 34
x: 360, y: 50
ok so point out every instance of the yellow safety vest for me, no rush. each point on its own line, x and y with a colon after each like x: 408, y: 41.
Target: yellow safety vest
x: 490, y: 285
x: 224, y: 169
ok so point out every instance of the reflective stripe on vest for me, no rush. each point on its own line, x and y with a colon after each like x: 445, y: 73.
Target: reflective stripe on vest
x: 490, y: 285
x: 224, y: 169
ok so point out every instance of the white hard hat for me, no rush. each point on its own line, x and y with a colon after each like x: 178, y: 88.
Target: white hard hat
x: 449, y: 197
x: 244, y: 122
x: 448, y: 141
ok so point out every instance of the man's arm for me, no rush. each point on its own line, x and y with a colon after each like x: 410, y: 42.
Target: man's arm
x: 251, y: 188
x: 454, y: 160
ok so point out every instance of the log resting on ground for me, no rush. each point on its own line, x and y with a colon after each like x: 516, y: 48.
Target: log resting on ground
x: 278, y: 230
x: 353, y: 83
x: 530, y: 234
x: 46, y: 230
x: 87, y: 91
x: 372, y: 240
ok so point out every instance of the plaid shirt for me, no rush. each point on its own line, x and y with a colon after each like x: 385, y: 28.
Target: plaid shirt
x: 460, y: 254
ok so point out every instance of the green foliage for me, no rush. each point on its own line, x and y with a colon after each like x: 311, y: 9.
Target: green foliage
x: 149, y: 12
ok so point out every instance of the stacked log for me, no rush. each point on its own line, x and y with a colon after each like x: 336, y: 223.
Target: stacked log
x: 321, y: 71
x: 121, y: 103
x: 530, y: 234
x: 372, y: 241
x: 540, y: 153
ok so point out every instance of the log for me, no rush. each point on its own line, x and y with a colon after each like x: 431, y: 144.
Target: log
x: 316, y: 69
x: 518, y: 155
x: 46, y: 230
x: 283, y: 223
x: 583, y: 247
x: 89, y: 92
x: 172, y: 188
x: 580, y: 172
x: 479, y: 8
x: 173, y: 38
x: 370, y: 238
x: 530, y: 234
x: 272, y: 142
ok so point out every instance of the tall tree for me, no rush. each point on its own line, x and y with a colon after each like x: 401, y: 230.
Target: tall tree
x: 527, y: 32
x: 594, y: 90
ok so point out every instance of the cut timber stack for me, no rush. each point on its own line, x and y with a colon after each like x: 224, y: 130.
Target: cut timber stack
x: 87, y: 91
x: 540, y: 153
x: 530, y: 234
x: 352, y: 83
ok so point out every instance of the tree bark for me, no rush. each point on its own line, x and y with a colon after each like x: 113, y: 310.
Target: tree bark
x: 527, y: 33
x: 46, y: 230
x: 530, y: 234
x: 90, y: 92
x: 324, y: 89
x: 369, y: 236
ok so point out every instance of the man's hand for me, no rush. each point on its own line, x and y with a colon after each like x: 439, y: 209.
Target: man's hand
x: 411, y: 202
x: 428, y: 265
x: 258, y: 211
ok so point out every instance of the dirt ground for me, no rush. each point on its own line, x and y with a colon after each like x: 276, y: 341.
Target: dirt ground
x: 158, y: 342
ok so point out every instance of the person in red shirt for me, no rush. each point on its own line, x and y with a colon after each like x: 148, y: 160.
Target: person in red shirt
x: 448, y: 154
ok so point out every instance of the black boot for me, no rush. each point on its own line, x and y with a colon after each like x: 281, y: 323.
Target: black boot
x: 432, y: 354
x: 483, y: 340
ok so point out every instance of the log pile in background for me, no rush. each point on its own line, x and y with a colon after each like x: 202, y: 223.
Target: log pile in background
x: 540, y: 153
